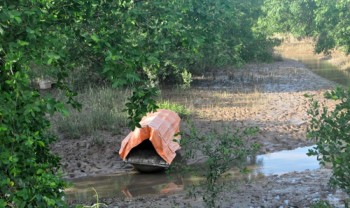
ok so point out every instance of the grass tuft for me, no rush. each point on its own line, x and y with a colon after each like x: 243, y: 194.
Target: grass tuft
x: 178, y: 108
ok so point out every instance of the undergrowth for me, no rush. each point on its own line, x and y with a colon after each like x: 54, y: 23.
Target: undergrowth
x: 101, y: 111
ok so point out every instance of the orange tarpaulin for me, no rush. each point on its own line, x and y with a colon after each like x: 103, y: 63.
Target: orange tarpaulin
x: 160, y: 128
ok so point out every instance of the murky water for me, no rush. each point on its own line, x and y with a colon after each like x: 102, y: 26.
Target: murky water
x: 322, y: 68
x: 328, y: 71
x: 136, y: 184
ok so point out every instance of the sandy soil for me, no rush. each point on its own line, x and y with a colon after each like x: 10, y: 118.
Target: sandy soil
x: 270, y: 96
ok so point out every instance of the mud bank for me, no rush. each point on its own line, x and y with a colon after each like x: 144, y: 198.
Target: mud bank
x: 270, y: 96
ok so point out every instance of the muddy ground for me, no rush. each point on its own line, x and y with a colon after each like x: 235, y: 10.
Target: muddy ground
x: 270, y: 96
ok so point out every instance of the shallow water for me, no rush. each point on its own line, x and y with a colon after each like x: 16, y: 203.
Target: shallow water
x: 136, y: 184
x: 286, y: 161
x: 328, y: 71
x: 322, y: 68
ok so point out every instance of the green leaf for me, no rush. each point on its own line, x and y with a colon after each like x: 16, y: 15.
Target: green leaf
x: 3, y: 128
x: 41, y: 144
x: 60, y: 107
x: 18, y: 19
x: 95, y: 38
x: 22, y: 43
x: 39, y: 171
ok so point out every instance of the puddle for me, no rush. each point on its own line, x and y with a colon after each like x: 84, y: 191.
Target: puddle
x: 286, y: 161
x: 123, y: 186
x: 136, y: 184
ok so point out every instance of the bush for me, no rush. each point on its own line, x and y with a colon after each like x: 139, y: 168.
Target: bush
x: 222, y: 151
x: 331, y: 130
x: 29, y: 174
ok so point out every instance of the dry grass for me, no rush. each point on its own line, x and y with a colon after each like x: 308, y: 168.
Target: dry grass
x: 102, y: 111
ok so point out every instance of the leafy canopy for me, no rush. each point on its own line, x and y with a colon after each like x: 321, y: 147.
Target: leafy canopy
x: 326, y: 20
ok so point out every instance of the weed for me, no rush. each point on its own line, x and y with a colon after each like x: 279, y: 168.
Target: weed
x: 96, y: 205
x: 178, y: 108
x: 97, y: 139
x: 321, y: 204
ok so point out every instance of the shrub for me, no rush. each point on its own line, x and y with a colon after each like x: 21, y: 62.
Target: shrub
x: 29, y: 174
x: 222, y: 151
x: 186, y: 80
x: 140, y: 103
x: 331, y: 131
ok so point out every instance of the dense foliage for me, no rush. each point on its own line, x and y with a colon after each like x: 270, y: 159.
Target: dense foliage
x: 28, y: 176
x: 141, y: 102
x: 126, y: 41
x: 330, y: 129
x: 28, y: 171
x: 326, y: 20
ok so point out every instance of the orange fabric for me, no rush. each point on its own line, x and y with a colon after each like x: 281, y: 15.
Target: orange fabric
x: 160, y: 127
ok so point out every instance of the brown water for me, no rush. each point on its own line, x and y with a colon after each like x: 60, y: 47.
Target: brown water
x: 137, y: 184
x: 322, y: 68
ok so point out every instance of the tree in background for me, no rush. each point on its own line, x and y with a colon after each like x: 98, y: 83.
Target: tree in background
x: 325, y: 20
x: 328, y: 22
x: 128, y: 41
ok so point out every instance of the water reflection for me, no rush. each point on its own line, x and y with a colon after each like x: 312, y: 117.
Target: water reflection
x: 322, y: 68
x: 328, y: 71
x: 286, y: 161
x: 123, y: 186
x: 136, y: 184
